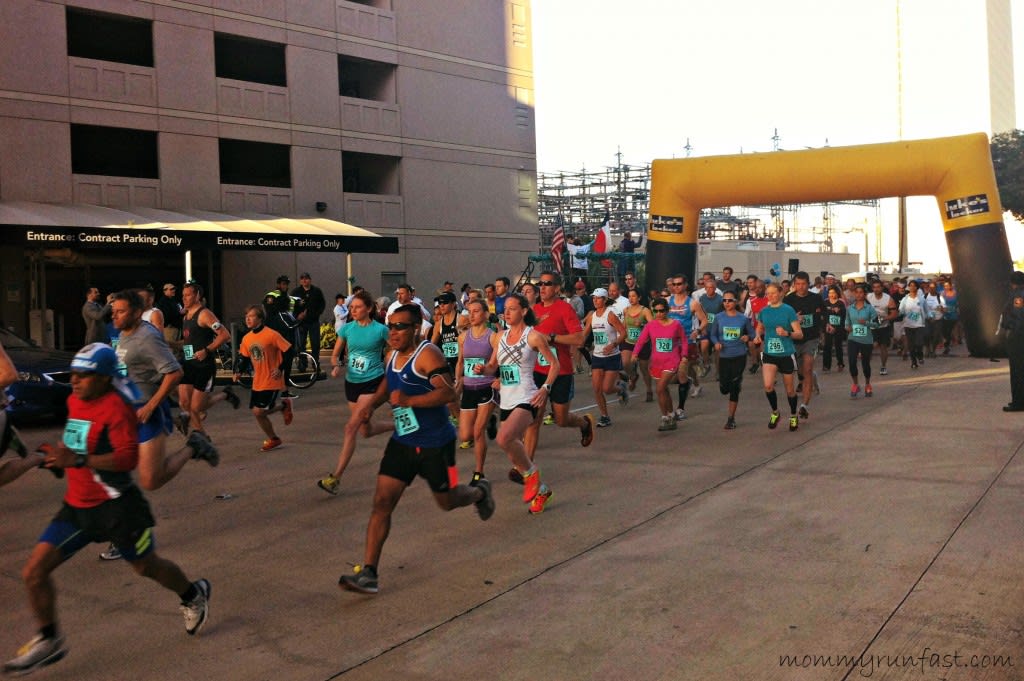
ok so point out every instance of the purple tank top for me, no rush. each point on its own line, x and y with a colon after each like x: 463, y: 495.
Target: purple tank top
x: 476, y: 351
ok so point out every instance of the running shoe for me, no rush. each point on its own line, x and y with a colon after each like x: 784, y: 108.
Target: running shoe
x: 649, y: 397
x: 753, y: 368
x: 362, y: 579
x: 111, y: 553
x: 854, y: 391
x: 286, y: 409
x: 484, y: 507
x: 696, y: 390
x: 868, y: 392
x: 271, y: 443
x: 231, y: 397
x: 198, y: 609
x: 804, y: 412
x: 515, y: 476
x: 730, y: 423
x: 39, y: 652
x: 181, y: 423
x: 467, y: 444
x: 623, y: 393
x: 477, y: 477
x: 549, y: 420
x: 531, y: 485
x: 773, y: 420
x: 679, y: 415
x: 540, y: 501
x: 604, y: 422
x: 842, y: 366
x: 492, y: 426
x: 666, y: 423
x: 883, y: 371
x: 202, y: 448
x: 913, y: 364
x: 587, y: 430
x: 329, y: 484
x: 945, y: 351
x: 794, y: 423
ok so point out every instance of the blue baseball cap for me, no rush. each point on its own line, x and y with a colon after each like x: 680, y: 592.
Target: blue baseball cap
x: 99, y: 358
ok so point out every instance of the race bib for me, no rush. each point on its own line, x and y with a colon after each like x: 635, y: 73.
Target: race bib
x: 542, y: 361
x: 711, y: 318
x: 600, y: 338
x: 663, y: 344
x: 632, y: 333
x: 76, y: 435
x: 914, y: 316
x: 405, y: 420
x: 859, y: 330
x: 468, y: 363
x: 731, y: 333
x: 775, y: 346
x: 122, y: 366
x: 450, y: 349
x: 188, y: 352
x: 834, y: 319
x: 807, y: 321
x: 509, y: 374
x: 357, y: 363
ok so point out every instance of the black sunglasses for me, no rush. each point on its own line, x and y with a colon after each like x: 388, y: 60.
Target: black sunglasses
x: 545, y: 283
x: 401, y: 326
x: 660, y: 309
x: 677, y: 283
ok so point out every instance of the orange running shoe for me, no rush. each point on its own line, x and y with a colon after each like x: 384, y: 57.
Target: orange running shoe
x: 540, y: 501
x: 531, y: 486
x: 271, y: 443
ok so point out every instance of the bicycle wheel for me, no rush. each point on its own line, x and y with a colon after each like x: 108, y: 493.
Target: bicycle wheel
x: 305, y: 370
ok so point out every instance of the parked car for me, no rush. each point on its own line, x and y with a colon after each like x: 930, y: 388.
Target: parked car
x: 44, y: 380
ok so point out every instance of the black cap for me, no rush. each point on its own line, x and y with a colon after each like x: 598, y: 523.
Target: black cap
x: 284, y: 278
x: 446, y: 297
x: 305, y: 275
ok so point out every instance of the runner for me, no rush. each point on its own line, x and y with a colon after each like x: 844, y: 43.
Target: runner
x: 558, y: 322
x: 860, y: 319
x: 687, y: 311
x: 445, y: 335
x: 668, y: 359
x: 364, y: 341
x: 419, y: 385
x: 516, y: 351
x: 710, y: 300
x: 266, y: 349
x: 476, y: 415
x: 636, y: 316
x: 809, y: 309
x: 777, y: 327
x: 835, y: 330
x: 202, y: 334
x: 99, y: 450
x: 914, y: 309
x: 886, y: 309
x: 730, y: 333
x: 606, y: 375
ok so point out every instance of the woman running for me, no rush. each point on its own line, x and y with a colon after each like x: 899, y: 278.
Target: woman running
x: 606, y: 360
x: 777, y: 327
x: 365, y: 340
x: 861, y: 318
x: 835, y: 329
x: 915, y: 315
x: 635, y: 317
x: 730, y: 332
x: 668, y: 357
x: 522, y: 401
x: 477, y: 405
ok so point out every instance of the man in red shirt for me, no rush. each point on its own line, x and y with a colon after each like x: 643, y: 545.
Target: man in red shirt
x: 100, y: 449
x: 557, y: 321
x: 757, y: 299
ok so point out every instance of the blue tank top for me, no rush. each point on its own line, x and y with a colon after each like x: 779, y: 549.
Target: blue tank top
x: 417, y: 426
x: 681, y: 313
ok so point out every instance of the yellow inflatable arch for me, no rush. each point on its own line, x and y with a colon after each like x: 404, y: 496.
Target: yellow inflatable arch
x: 957, y: 171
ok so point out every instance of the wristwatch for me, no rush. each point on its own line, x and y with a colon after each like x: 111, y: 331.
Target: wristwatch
x: 551, y: 338
x: 80, y: 460
x: 546, y: 386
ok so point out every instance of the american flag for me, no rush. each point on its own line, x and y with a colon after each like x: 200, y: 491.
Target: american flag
x: 558, y: 244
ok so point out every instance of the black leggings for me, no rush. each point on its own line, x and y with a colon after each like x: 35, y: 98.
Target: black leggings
x: 730, y: 376
x: 916, y: 339
x: 852, y: 348
x: 832, y: 342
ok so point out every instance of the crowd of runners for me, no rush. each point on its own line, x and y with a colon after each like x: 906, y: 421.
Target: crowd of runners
x: 467, y: 367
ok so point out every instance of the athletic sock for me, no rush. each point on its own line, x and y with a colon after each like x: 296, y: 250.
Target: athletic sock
x: 684, y: 392
x: 773, y: 399
x: 792, y: 404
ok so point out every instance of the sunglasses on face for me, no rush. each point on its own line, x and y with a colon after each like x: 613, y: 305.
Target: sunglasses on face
x: 659, y: 310
x: 545, y: 283
x: 728, y: 300
x: 401, y: 326
x: 677, y: 283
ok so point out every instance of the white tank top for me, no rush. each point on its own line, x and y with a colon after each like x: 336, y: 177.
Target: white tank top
x: 606, y: 338
x: 515, y: 370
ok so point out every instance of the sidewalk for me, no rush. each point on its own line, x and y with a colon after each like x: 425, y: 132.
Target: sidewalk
x: 888, y: 527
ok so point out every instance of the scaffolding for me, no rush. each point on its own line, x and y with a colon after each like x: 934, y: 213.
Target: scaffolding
x: 580, y: 202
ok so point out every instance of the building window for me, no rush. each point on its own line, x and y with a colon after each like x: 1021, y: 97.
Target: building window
x: 255, y: 163
x: 256, y: 61
x: 109, y: 37
x: 121, y: 152
x: 369, y: 173
x: 366, y: 79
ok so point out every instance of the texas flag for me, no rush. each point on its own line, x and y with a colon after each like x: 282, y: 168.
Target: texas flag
x: 603, y: 240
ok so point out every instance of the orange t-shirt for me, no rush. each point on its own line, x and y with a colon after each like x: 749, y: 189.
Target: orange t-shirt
x: 266, y: 350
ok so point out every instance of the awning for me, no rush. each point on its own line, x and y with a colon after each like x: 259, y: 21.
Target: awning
x: 66, y: 225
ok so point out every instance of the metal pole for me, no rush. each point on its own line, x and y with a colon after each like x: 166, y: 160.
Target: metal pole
x: 348, y: 272
x: 188, y: 265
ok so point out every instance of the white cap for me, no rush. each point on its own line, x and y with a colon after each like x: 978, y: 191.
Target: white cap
x: 599, y: 293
